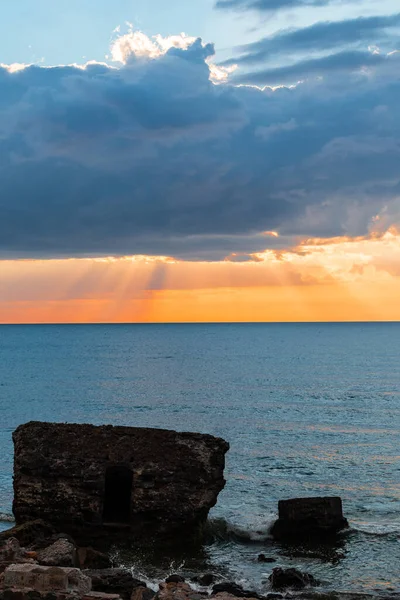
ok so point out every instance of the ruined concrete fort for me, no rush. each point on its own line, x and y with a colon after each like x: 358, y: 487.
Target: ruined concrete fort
x: 93, y: 481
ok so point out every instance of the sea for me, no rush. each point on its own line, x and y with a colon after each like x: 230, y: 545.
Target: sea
x: 308, y: 410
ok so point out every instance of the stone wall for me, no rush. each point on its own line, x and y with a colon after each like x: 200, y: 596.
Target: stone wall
x: 60, y: 470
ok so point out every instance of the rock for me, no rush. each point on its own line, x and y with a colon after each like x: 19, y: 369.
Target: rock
x: 63, y: 536
x: 16, y: 594
x: 29, y: 532
x: 77, y: 580
x: 46, y: 579
x: 113, y: 482
x: 265, y: 559
x: 30, y: 554
x: 60, y: 554
x: 43, y: 543
x: 291, y: 578
x: 114, y: 581
x: 205, y: 580
x: 226, y: 596
x: 309, y: 518
x: 233, y: 589
x: 142, y: 593
x: 11, y: 551
x: 175, y: 579
x: 100, y: 596
x: 89, y: 558
x: 178, y: 591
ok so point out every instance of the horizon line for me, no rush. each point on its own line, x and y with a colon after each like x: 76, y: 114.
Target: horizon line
x: 348, y: 322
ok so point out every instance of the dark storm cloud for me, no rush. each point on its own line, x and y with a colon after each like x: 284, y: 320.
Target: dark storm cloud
x: 272, y: 5
x: 318, y: 37
x: 153, y: 158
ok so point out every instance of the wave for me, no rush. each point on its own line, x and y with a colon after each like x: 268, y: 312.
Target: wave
x: 382, y: 507
x: 375, y: 528
x: 144, y: 570
x: 220, y: 529
x: 223, y: 530
x: 7, y: 517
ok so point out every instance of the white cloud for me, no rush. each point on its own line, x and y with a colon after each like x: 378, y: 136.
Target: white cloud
x: 219, y: 74
x: 14, y: 67
x: 138, y: 45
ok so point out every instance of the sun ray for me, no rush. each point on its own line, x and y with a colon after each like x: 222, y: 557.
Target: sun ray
x: 319, y: 279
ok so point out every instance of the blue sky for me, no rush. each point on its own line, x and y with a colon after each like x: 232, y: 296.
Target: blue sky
x: 67, y: 31
x: 62, y: 31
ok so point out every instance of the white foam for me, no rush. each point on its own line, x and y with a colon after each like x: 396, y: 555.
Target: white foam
x: 256, y: 531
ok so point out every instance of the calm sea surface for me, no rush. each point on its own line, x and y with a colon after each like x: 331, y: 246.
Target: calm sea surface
x: 309, y: 409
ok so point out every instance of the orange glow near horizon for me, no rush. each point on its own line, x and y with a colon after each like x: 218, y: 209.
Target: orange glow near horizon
x: 338, y: 279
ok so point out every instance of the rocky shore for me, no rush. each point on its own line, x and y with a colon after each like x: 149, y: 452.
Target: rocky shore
x: 79, y: 489
x: 38, y: 564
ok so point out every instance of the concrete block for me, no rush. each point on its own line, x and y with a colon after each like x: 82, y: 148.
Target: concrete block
x: 46, y: 579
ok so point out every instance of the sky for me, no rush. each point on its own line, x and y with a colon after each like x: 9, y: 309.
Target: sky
x: 218, y: 160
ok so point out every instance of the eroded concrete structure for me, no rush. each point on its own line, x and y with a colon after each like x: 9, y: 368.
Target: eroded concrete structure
x: 306, y: 518
x: 93, y: 481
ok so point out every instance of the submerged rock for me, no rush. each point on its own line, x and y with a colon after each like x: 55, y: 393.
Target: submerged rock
x: 233, y: 589
x: 205, y: 580
x: 291, y: 578
x: 175, y: 579
x: 309, y: 518
x: 226, y: 596
x: 116, y: 482
x: 265, y: 559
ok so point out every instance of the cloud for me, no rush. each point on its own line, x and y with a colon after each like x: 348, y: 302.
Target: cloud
x: 272, y: 5
x: 321, y: 279
x: 151, y: 157
x: 345, y: 61
x: 319, y: 37
x: 371, y: 259
x: 136, y: 44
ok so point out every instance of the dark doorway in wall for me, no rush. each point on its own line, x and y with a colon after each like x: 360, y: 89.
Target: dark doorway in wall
x: 117, y: 495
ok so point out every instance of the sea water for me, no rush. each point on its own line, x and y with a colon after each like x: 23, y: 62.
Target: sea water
x: 308, y: 410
